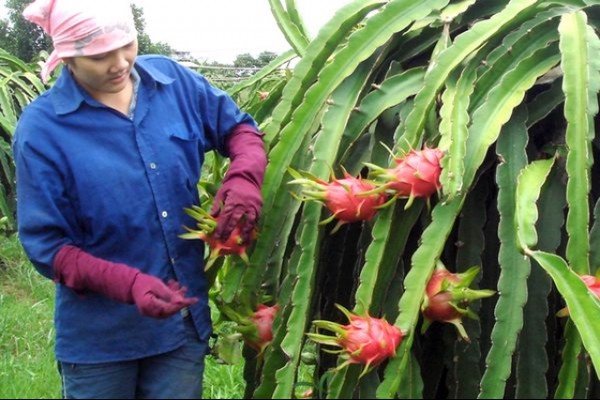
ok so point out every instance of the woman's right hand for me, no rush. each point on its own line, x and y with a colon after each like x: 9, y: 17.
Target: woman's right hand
x: 156, y: 299
x: 82, y: 271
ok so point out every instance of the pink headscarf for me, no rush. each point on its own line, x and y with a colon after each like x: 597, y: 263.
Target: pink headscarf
x: 82, y: 27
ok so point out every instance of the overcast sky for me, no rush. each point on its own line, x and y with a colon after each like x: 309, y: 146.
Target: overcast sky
x: 219, y: 30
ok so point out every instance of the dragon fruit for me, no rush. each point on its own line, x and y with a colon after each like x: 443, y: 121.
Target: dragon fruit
x: 365, y: 340
x: 262, y: 95
x: 258, y: 329
x: 348, y: 198
x: 233, y: 245
x: 593, y: 283
x: 447, y: 297
x: 253, y: 325
x: 417, y: 174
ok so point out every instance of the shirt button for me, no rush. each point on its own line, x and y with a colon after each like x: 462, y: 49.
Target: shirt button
x: 152, y: 166
x: 164, y: 214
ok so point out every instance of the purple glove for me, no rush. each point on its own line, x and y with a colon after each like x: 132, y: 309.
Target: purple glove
x: 239, y: 199
x: 80, y: 271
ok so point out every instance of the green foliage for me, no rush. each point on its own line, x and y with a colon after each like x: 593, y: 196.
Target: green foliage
x: 508, y: 89
x: 27, y: 364
x: 246, y: 60
x: 19, y: 85
x: 23, y: 39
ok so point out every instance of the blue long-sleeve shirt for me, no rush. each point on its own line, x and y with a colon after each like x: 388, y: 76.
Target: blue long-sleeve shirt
x: 116, y: 187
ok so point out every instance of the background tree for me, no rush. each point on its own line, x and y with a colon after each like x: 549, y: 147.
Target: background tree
x: 246, y: 60
x: 145, y: 44
x: 20, y: 37
x: 5, y: 36
x: 246, y: 65
x: 265, y: 58
x: 225, y: 76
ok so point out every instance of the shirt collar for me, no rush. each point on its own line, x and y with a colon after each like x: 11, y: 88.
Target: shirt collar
x: 135, y: 78
x: 67, y: 95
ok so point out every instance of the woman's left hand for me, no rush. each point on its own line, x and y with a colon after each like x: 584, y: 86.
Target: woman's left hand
x: 238, y: 201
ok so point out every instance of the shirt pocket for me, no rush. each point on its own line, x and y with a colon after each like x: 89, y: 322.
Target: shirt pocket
x: 182, y: 132
x: 187, y: 155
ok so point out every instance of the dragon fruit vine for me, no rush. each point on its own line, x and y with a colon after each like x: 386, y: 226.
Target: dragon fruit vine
x: 365, y: 340
x: 350, y: 199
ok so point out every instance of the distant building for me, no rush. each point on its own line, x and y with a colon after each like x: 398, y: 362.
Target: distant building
x: 189, y: 64
x: 181, y: 55
x: 185, y: 58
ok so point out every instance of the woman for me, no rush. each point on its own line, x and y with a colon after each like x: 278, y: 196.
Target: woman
x: 107, y: 160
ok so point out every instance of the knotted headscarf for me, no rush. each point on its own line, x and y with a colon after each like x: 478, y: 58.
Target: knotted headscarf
x: 82, y: 27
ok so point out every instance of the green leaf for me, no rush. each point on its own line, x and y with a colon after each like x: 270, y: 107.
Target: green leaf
x: 533, y: 355
x: 545, y: 102
x: 390, y: 233
x: 580, y: 85
x: 583, y: 305
x: 454, y: 127
x: 529, y: 185
x: 573, y: 360
x: 317, y: 54
x: 463, y: 45
x: 292, y: 10
x: 290, y: 30
x: 512, y: 283
x: 391, y: 91
x: 502, y: 99
x: 533, y: 34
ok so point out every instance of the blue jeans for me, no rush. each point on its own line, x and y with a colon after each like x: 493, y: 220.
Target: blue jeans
x: 173, y: 375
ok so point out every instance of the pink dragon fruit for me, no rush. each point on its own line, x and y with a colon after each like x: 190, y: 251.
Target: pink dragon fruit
x: 592, y: 283
x: 348, y: 198
x: 258, y: 332
x: 262, y: 95
x: 218, y: 247
x: 447, y: 297
x: 365, y: 340
x: 254, y: 325
x: 417, y: 174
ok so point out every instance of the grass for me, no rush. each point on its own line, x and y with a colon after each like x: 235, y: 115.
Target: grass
x: 27, y: 364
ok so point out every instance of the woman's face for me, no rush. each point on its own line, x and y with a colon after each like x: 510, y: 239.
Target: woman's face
x: 105, y: 73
